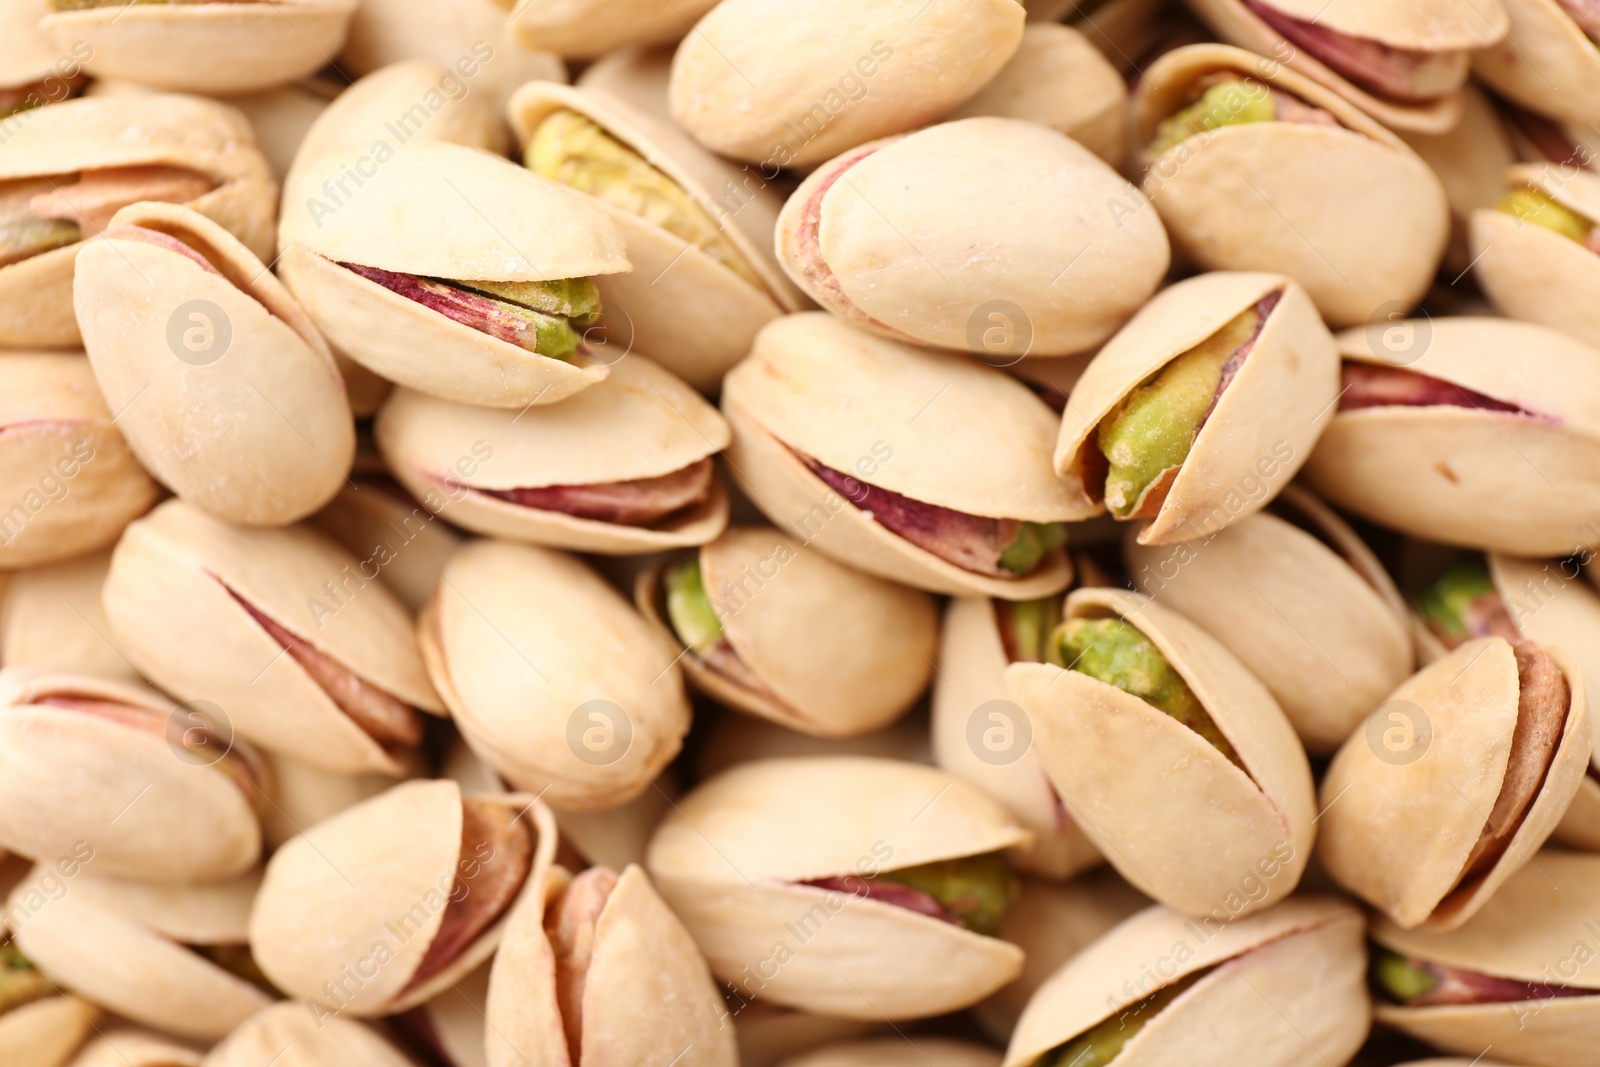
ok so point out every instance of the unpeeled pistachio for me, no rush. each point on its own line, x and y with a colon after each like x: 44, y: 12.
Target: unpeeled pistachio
x: 768, y: 1034
x: 282, y: 116
x: 374, y: 519
x: 844, y: 886
x: 130, y: 1047
x: 838, y: 76
x: 1548, y: 62
x: 300, y: 794
x: 778, y: 630
x: 46, y: 1032
x: 32, y: 73
x: 637, y: 76
x: 1470, y: 161
x: 451, y: 1025
x: 917, y: 237
x: 740, y: 738
x: 297, y: 1034
x: 902, y: 1051
x: 51, y: 615
x: 307, y: 652
x: 589, y: 29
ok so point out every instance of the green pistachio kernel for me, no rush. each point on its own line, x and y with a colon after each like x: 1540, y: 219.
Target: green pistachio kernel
x: 29, y: 235
x: 1233, y: 102
x: 1535, y: 208
x: 1104, y: 1043
x: 976, y: 890
x: 694, y: 619
x: 1033, y: 542
x: 1398, y: 978
x: 1448, y: 604
x: 20, y: 981
x: 1029, y: 624
x: 572, y: 298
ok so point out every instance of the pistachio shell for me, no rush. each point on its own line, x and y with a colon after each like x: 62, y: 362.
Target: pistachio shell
x: 1262, y: 427
x: 1125, y: 31
x: 638, y: 423
x: 1546, y: 63
x: 303, y: 794
x: 127, y: 1047
x: 1288, y: 984
x: 587, y: 29
x: 66, y: 775
x: 971, y: 676
x: 533, y: 653
x: 1349, y: 212
x: 729, y: 855
x: 455, y: 1020
x: 1403, y: 828
x: 282, y: 116
x: 1466, y: 477
x: 1470, y: 161
x: 46, y: 1032
x: 1314, y: 616
x: 743, y: 738
x: 376, y: 520
x: 98, y: 939
x: 982, y: 234
x: 876, y: 408
x: 841, y: 653
x: 1580, y: 826
x: 768, y: 1033
x: 637, y: 76
x: 51, y: 615
x: 25, y: 55
x: 297, y: 1034
x: 348, y: 910
x: 1535, y: 929
x: 172, y: 590
x: 900, y: 1052
x: 1170, y: 812
x: 838, y: 76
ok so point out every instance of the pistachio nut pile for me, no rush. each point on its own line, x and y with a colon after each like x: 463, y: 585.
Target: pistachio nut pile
x: 749, y: 533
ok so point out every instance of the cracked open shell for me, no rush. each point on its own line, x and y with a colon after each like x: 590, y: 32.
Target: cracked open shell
x: 901, y: 1051
x: 297, y: 1034
x: 918, y: 237
x: 698, y: 229
x: 624, y: 467
x: 200, y: 152
x: 1274, y: 395
x: 1170, y: 810
x: 1285, y: 986
x: 589, y: 29
x: 1535, y: 936
x: 375, y: 519
x: 566, y: 986
x: 1470, y: 160
x: 383, y: 906
x: 51, y: 615
x: 45, y: 1033
x: 69, y: 483
x: 773, y: 867
x: 1453, y: 784
x: 1491, y: 441
x: 79, y: 751
x: 1548, y: 62
x: 797, y: 638
x: 553, y: 679
x: 245, y: 416
x: 308, y: 653
x: 839, y: 74
x: 131, y: 1047
x: 1301, y: 600
x: 160, y: 955
x: 381, y: 210
x: 1323, y: 194
x: 33, y: 72
x: 909, y: 435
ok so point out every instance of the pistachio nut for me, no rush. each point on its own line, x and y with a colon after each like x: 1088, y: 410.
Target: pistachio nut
x: 848, y: 442
x: 980, y: 737
x: 767, y: 1033
x: 476, y: 319
x: 984, y: 235
x: 43, y: 1031
x: 589, y: 29
x: 173, y: 957
x: 71, y: 166
x: 776, y: 630
x: 301, y: 794
x: 282, y: 116
x: 1256, y: 167
x: 1302, y: 601
x: 32, y: 72
x: 839, y: 75
x: 245, y: 416
x: 1164, y: 988
x: 1403, y: 64
x: 1172, y: 757
x: 307, y: 652
x: 736, y: 738
x: 918, y: 1051
x: 697, y: 228
x: 131, y: 1047
x: 553, y: 679
x: 1470, y: 161
x: 862, y: 888
x: 1548, y: 62
x: 1482, y: 751
x: 1202, y: 408
x: 1124, y: 31
x: 382, y: 906
x: 626, y: 466
x: 296, y: 1034
x: 77, y: 750
x: 1519, y: 978
x: 373, y: 518
x: 1547, y: 140
x: 51, y: 616
x: 1442, y: 436
x: 637, y: 76
x: 451, y: 1025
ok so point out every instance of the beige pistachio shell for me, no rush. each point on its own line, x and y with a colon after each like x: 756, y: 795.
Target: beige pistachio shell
x: 1171, y: 813
x: 918, y: 1051
x: 1125, y: 31
x: 1470, y: 161
x: 298, y: 1034
x: 587, y: 29
x: 1314, y: 616
x: 1459, y: 476
x: 51, y: 615
x: 982, y: 236
x: 1260, y: 431
x: 1580, y: 826
x: 239, y: 410
x: 174, y: 587
x: 364, y: 894
x: 1349, y: 212
x: 1536, y: 929
x: 1546, y: 63
x: 840, y: 653
x: 66, y: 776
x: 128, y: 1047
x: 838, y: 76
x: 1405, y: 823
x: 877, y: 409
x: 740, y: 738
x: 67, y: 477
x: 638, y: 76
x: 303, y: 794
x: 282, y: 116
x: 970, y: 688
x: 375, y: 520
x: 768, y: 1033
x: 551, y: 676
x: 646, y: 306
x: 1290, y: 983
x: 638, y: 423
x: 729, y: 855
x: 47, y: 1032
x: 456, y: 1020
x: 106, y: 948
x: 507, y: 224
x: 26, y: 56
